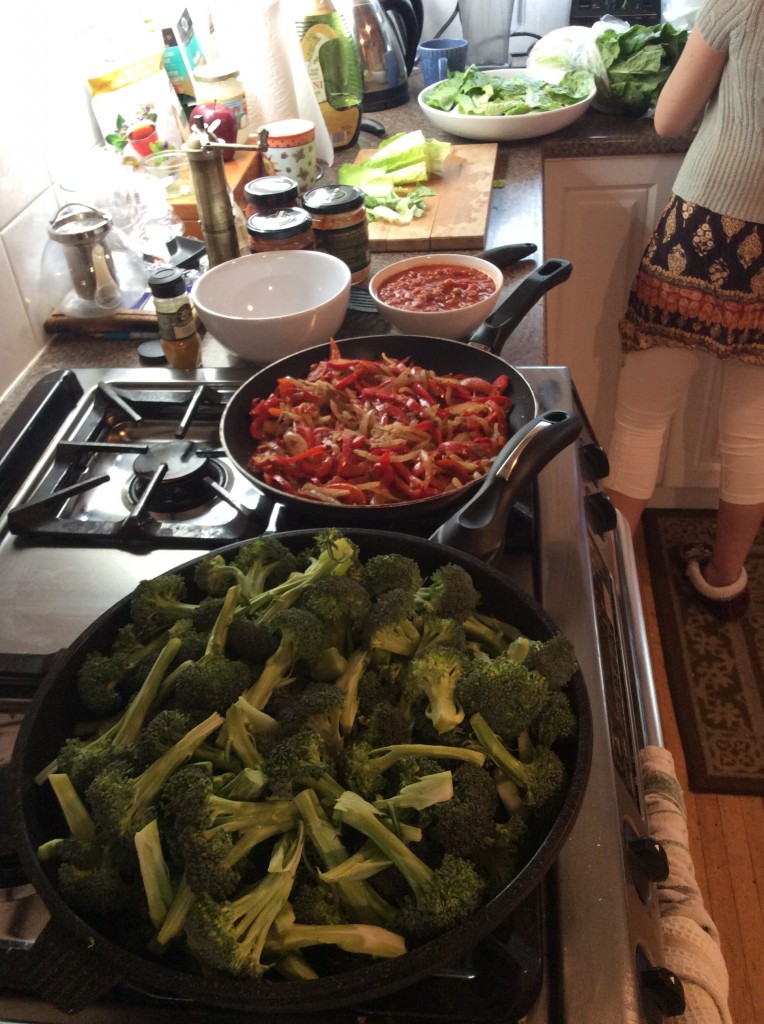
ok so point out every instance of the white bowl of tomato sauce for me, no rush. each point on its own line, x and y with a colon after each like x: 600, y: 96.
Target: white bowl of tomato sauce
x: 440, y: 295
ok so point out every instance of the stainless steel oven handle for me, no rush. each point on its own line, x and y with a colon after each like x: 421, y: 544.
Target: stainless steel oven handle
x: 649, y: 713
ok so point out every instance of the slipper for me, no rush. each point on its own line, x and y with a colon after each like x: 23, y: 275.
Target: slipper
x: 726, y: 603
x: 699, y: 551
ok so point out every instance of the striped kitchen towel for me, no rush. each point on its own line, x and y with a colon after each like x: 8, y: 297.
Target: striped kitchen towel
x: 690, y: 937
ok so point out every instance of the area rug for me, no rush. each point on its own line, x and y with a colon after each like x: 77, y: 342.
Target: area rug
x: 715, y: 670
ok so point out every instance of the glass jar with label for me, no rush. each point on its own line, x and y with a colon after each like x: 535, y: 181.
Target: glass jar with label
x: 340, y: 227
x: 273, y: 192
x: 215, y: 85
x: 176, y: 318
x: 291, y: 228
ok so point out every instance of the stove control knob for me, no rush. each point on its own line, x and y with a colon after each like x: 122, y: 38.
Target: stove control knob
x: 600, y: 512
x: 661, y: 990
x: 647, y: 861
x: 650, y: 857
x: 594, y: 460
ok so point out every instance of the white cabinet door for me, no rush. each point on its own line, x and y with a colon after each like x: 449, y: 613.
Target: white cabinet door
x: 599, y: 213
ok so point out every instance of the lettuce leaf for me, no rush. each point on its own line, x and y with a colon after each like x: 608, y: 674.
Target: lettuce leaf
x: 483, y: 94
x: 405, y: 159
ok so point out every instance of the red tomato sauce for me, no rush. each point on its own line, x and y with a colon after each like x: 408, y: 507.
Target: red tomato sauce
x: 433, y: 288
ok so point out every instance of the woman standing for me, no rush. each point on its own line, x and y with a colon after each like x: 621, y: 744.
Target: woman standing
x: 699, y: 295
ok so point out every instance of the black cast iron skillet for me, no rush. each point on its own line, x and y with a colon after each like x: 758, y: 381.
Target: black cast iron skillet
x: 475, y: 357
x: 73, y: 963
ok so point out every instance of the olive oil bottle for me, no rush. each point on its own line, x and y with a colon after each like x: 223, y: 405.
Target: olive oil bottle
x: 334, y: 68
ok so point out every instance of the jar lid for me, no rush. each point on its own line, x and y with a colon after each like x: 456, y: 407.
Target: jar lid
x: 333, y: 199
x: 166, y: 282
x: 76, y: 224
x: 271, y: 189
x: 214, y: 73
x: 279, y: 223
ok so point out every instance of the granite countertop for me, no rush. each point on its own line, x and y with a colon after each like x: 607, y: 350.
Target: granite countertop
x: 515, y: 216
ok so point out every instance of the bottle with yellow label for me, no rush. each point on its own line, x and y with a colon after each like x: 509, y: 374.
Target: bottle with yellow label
x: 334, y: 69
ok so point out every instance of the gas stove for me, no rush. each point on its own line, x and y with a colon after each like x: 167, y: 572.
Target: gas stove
x: 113, y: 476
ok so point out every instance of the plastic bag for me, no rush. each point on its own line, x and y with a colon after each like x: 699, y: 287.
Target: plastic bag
x: 681, y: 13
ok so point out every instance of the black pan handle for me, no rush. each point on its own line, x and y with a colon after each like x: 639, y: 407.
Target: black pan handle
x: 507, y: 255
x: 58, y: 970
x: 479, y: 527
x: 492, y: 334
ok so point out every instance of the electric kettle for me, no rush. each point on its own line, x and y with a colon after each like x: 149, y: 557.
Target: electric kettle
x: 387, y: 33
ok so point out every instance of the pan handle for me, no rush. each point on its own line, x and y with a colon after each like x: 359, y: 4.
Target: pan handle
x: 492, y: 334
x: 507, y: 255
x: 479, y: 527
x: 67, y: 974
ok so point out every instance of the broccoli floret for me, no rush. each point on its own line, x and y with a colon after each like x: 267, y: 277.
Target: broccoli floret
x: 157, y: 603
x: 441, y: 897
x: 363, y: 767
x: 316, y: 708
x: 193, y: 641
x: 120, y: 801
x: 433, y: 674
x: 294, y: 761
x: 357, y: 897
x: 230, y: 936
x: 507, y: 694
x: 554, y: 659
x: 210, y: 685
x: 165, y: 729
x: 251, y: 640
x: 331, y: 554
x: 301, y: 636
x: 104, y: 680
x: 411, y: 768
x: 504, y: 852
x: 93, y: 875
x: 366, y: 939
x: 442, y: 632
x: 210, y: 835
x: 265, y: 560
x: 391, y: 571
x: 539, y: 781
x: 84, y: 759
x: 386, y: 725
x: 450, y: 593
x: 462, y: 825
x: 315, y: 902
x: 490, y: 634
x: 389, y: 625
x: 93, y: 879
x: 342, y: 604
x: 372, y: 689
x: 556, y: 720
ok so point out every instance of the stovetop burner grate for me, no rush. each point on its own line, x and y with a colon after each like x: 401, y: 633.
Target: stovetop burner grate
x: 142, y: 466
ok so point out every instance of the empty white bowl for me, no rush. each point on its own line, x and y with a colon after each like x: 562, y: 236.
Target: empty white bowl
x: 508, y: 127
x: 269, y: 304
x: 454, y: 324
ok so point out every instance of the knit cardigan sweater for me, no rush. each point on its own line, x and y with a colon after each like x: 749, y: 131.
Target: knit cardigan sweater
x: 724, y: 166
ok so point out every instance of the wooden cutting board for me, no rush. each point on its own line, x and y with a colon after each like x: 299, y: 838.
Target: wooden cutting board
x: 457, y: 215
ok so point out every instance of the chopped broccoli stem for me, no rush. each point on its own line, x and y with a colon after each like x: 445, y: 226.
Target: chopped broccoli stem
x: 76, y: 814
x: 154, y: 872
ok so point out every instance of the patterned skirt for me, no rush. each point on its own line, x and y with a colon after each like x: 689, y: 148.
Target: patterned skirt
x: 700, y: 285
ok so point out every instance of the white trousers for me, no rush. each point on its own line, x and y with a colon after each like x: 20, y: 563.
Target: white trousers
x: 650, y: 390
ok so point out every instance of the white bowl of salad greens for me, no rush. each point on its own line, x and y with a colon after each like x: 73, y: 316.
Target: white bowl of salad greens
x: 506, y: 104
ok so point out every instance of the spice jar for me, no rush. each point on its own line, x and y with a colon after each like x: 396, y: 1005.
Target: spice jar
x: 340, y: 227
x: 273, y: 192
x: 176, y: 318
x: 291, y: 228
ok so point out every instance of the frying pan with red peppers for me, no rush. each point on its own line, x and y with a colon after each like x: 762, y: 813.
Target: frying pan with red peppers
x: 75, y: 962
x: 527, y: 449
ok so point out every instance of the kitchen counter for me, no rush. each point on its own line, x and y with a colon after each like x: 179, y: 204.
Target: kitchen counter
x: 515, y: 216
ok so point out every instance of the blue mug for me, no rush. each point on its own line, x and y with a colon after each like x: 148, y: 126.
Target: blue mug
x: 439, y: 56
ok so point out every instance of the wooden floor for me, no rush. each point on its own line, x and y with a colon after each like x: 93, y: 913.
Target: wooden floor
x: 727, y: 843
